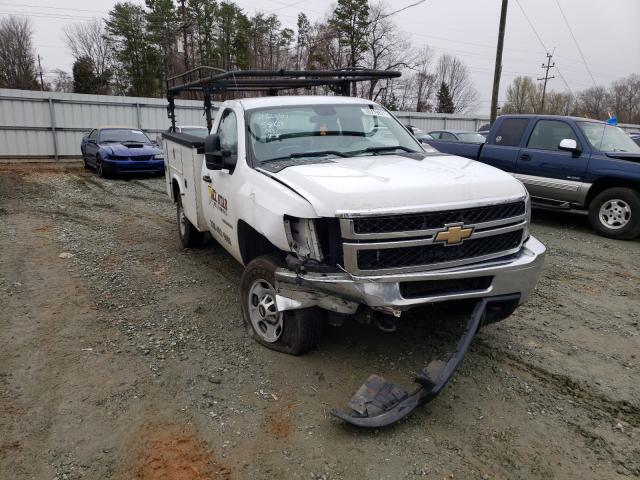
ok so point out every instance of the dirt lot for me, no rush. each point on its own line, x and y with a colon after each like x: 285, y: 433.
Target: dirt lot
x: 128, y: 359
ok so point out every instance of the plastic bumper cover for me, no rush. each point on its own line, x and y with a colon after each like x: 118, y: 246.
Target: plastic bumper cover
x: 132, y: 166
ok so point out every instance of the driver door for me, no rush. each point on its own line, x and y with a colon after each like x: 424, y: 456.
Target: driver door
x: 218, y: 186
x: 91, y: 147
x: 547, y: 171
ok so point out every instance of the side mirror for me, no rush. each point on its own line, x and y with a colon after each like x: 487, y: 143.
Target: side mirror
x: 212, y: 153
x: 569, y: 145
x: 410, y: 128
x: 215, y: 157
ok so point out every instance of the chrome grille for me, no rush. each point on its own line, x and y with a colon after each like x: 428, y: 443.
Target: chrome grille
x: 388, y: 244
x: 437, y: 253
x: 429, y: 220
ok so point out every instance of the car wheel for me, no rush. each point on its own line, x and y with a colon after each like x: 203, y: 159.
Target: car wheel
x: 86, y: 165
x: 190, y: 236
x: 615, y: 213
x: 100, y: 167
x: 294, y: 331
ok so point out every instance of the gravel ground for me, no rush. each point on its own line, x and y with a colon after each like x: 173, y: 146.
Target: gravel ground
x: 124, y: 356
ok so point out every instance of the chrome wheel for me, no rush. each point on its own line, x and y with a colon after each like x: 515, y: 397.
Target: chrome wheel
x: 615, y: 214
x: 263, y: 313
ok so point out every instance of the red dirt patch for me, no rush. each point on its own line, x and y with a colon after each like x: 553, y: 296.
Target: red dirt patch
x: 44, y: 228
x: 279, y: 423
x: 175, y: 453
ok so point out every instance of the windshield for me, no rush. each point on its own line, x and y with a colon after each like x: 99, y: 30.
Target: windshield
x: 607, y: 138
x: 305, y: 131
x: 471, y: 137
x: 123, y: 135
x: 195, y: 131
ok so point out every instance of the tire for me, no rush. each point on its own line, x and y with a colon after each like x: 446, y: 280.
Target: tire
x: 189, y: 235
x: 100, y: 168
x: 294, y: 332
x: 615, y: 213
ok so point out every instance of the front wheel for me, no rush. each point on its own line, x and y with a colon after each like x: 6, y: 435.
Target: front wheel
x: 294, y: 331
x: 190, y: 236
x: 615, y: 213
x: 100, y: 167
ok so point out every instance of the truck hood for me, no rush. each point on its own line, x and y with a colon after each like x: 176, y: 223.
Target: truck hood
x: 394, y: 183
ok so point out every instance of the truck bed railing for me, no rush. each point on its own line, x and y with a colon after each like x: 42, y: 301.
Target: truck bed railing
x: 211, y: 80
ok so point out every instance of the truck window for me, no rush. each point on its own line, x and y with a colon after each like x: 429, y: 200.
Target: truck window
x: 447, y: 136
x: 228, y: 132
x: 277, y: 133
x: 510, y: 131
x: 607, y: 138
x: 547, y: 134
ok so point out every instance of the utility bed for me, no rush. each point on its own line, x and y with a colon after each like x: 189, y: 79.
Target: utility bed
x: 184, y: 155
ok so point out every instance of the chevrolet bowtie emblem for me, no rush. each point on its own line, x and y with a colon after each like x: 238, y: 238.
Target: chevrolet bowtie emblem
x: 454, y: 234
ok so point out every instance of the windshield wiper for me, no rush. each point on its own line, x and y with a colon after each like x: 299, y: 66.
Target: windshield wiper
x: 386, y: 148
x: 320, y: 153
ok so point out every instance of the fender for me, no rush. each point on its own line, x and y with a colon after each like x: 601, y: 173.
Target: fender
x: 175, y: 178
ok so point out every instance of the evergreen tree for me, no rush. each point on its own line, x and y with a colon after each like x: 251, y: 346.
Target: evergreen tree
x: 445, y: 102
x: 162, y: 21
x: 84, y: 78
x: 302, y: 40
x: 351, y: 21
x: 137, y: 58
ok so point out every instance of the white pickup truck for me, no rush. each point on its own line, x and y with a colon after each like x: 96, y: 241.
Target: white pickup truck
x: 336, y: 210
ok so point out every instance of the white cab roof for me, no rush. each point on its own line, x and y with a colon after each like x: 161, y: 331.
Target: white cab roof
x: 293, y: 100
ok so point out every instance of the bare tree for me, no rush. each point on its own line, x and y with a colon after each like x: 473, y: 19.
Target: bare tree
x: 455, y: 74
x: 593, y: 102
x: 62, y: 82
x: 17, y: 59
x: 625, y: 98
x: 89, y: 41
x: 558, y: 103
x: 425, y: 81
x: 523, y: 96
x: 386, y: 47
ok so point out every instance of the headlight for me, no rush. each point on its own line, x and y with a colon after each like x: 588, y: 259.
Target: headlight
x: 158, y: 156
x: 302, y: 237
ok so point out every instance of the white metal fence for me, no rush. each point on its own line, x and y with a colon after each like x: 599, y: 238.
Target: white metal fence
x: 51, y: 124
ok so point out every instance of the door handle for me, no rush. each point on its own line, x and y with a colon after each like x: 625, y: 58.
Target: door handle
x: 525, y: 157
x: 206, y: 178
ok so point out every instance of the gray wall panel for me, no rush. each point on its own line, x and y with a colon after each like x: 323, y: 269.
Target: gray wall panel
x: 26, y: 129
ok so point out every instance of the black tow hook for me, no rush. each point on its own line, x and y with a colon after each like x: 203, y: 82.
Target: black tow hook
x: 379, y: 403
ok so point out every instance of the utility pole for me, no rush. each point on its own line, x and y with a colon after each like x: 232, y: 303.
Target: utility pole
x: 498, y: 68
x: 184, y: 35
x: 546, y: 77
x: 40, y: 71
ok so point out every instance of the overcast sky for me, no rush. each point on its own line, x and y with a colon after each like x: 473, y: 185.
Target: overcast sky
x: 608, y: 33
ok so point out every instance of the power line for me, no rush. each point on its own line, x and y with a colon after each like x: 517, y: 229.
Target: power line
x: 577, y: 44
x: 546, y: 50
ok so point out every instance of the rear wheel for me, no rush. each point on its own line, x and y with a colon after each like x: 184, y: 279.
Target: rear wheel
x: 294, y: 331
x: 615, y: 213
x: 190, y: 237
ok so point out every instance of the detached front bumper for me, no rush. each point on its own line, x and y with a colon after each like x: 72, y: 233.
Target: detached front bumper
x: 343, y: 292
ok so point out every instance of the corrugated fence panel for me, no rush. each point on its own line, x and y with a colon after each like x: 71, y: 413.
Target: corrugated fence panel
x: 29, y: 130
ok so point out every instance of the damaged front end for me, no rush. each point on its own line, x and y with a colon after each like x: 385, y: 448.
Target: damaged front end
x: 493, y: 288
